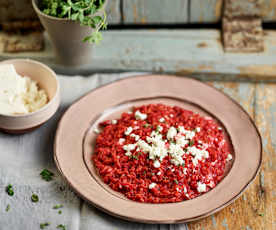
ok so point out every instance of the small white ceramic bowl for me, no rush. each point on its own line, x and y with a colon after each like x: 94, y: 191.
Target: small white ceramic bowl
x: 47, y: 80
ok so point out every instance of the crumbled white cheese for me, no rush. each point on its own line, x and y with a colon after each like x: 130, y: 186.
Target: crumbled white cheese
x: 198, y: 129
x: 162, y: 119
x: 176, y: 152
x: 198, y: 154
x: 185, y: 171
x: 144, y: 146
x: 188, y: 134
x: 128, y: 148
x: 171, y: 115
x: 19, y: 95
x: 201, y: 187
x: 159, y: 173
x: 171, y: 133
x: 136, y: 137
x: 140, y: 116
x: 158, y: 148
x: 114, y: 122
x: 129, y: 112
x: 229, y: 157
x: 152, y: 185
x: 121, y: 141
x: 136, y: 127
x: 96, y: 130
x: 128, y: 131
x: 156, y: 164
x: 181, y: 140
x: 219, y: 128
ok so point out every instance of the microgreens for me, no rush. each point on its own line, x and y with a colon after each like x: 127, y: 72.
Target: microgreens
x: 191, y: 143
x: 61, y: 226
x: 83, y: 11
x: 46, y: 175
x: 58, y: 206
x: 9, y: 190
x: 43, y: 225
x: 34, y: 198
x: 8, y: 208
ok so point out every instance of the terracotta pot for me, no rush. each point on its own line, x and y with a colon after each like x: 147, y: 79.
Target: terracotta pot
x: 66, y: 36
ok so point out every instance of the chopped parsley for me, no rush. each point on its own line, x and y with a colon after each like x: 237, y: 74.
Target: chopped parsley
x: 58, y: 206
x: 134, y: 157
x: 191, y: 143
x: 34, y: 198
x: 8, y: 208
x: 261, y: 214
x: 61, y: 226
x: 146, y: 125
x: 176, y: 181
x: 43, y: 225
x: 9, y: 190
x: 46, y: 175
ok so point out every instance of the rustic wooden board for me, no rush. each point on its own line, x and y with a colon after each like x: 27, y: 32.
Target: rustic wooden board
x: 155, y: 11
x: 265, y: 119
x: 208, y: 11
x: 113, y: 12
x: 185, y: 52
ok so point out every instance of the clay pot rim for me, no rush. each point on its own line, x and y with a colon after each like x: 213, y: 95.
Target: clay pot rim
x: 45, y: 107
x: 38, y: 11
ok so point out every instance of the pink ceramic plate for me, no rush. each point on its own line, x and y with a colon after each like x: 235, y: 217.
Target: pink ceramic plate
x: 75, y: 138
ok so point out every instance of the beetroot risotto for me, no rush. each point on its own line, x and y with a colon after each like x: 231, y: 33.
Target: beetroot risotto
x: 161, y: 154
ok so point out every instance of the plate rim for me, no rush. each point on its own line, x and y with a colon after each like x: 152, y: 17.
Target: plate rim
x: 216, y: 209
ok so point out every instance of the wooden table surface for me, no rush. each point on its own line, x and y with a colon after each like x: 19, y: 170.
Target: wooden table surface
x: 23, y: 157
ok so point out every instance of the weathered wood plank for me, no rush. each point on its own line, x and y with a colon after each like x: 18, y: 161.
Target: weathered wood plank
x: 113, y: 12
x: 243, y: 34
x: 155, y: 11
x: 185, y: 52
x: 269, y: 10
x: 13, y: 10
x: 241, y: 8
x: 208, y: 11
x: 265, y: 119
x: 246, y: 212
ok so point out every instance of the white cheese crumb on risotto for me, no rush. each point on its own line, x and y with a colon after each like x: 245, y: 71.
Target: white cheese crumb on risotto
x: 189, y: 151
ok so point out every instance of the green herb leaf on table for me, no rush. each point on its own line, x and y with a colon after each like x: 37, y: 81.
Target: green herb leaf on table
x: 82, y: 11
x: 43, y: 225
x: 59, y: 212
x: 9, y: 190
x: 46, y: 175
x: 61, y: 226
x: 8, y: 208
x: 58, y: 206
x: 34, y: 198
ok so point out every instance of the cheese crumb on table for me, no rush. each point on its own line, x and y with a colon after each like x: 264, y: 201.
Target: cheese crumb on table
x: 19, y: 95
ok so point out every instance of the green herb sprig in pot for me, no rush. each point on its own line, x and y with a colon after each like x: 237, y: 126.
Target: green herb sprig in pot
x: 73, y: 26
x: 83, y: 11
